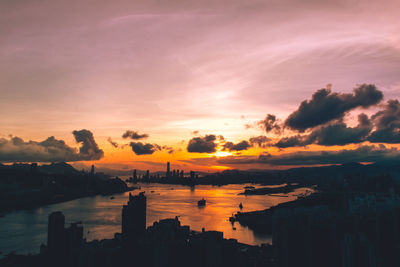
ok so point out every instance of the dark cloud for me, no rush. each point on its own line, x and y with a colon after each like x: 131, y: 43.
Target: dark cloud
x: 89, y: 146
x: 387, y: 123
x: 140, y: 148
x: 339, y: 134
x: 243, y: 145
x: 143, y: 149
x: 169, y: 149
x: 204, y: 144
x: 261, y: 141
x: 270, y: 123
x: 158, y: 147
x: 134, y: 135
x: 361, y: 154
x: 332, y: 134
x: 292, y: 141
x: 50, y: 150
x: 114, y: 144
x: 326, y: 106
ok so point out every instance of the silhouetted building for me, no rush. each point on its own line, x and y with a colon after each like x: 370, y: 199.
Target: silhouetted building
x: 34, y: 168
x: 147, y: 174
x: 74, y: 235
x: 92, y: 170
x: 62, y: 241
x: 134, y: 174
x: 55, y: 231
x: 134, y: 217
x: 168, y: 174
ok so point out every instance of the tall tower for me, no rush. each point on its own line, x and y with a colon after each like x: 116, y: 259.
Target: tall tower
x: 55, y: 231
x: 134, y: 174
x: 168, y: 170
x: 92, y: 171
x: 134, y: 217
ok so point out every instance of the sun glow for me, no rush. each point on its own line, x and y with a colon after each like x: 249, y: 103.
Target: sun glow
x: 219, y: 168
x: 222, y: 154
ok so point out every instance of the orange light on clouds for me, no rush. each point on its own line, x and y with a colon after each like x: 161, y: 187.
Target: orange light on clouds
x: 222, y: 154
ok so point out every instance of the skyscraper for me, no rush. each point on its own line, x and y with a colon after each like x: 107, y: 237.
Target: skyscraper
x: 134, y: 217
x: 168, y: 174
x: 55, y: 234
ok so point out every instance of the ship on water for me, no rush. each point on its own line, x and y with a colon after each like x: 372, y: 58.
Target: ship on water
x: 201, y: 203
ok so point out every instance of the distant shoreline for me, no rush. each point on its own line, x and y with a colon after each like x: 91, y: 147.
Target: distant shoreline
x: 40, y: 203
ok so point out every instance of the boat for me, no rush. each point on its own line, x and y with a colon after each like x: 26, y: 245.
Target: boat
x: 112, y: 197
x: 201, y: 203
x: 240, y: 205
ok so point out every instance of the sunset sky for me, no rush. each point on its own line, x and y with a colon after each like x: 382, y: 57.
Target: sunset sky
x: 188, y: 77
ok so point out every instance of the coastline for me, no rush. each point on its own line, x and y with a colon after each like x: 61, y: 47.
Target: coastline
x: 40, y: 202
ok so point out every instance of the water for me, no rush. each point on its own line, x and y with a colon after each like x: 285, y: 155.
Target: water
x: 23, y: 231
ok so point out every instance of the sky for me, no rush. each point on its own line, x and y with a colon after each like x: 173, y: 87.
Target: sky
x: 198, y: 78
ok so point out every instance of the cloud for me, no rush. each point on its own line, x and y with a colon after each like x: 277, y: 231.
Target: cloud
x: 140, y: 148
x: 270, y: 123
x: 292, y: 141
x: 243, y: 145
x: 201, y: 161
x: 387, y: 123
x: 204, y: 144
x: 16, y: 149
x: 134, y: 135
x: 326, y: 106
x: 248, y: 126
x: 261, y: 141
x: 114, y: 144
x: 332, y: 134
x: 143, y: 149
x: 169, y: 149
x: 89, y: 146
x: 361, y: 154
x: 339, y: 134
